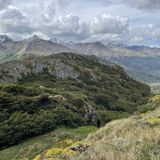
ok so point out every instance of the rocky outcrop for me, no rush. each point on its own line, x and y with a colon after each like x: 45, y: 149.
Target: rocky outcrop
x: 64, y: 71
x: 90, y: 114
x: 11, y: 72
x: 58, y: 98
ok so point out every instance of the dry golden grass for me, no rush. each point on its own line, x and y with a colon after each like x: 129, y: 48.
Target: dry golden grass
x: 134, y: 138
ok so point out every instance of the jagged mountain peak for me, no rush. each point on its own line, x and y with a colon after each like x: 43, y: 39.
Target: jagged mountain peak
x: 61, y: 42
x: 5, y: 38
x: 55, y: 40
x: 34, y: 38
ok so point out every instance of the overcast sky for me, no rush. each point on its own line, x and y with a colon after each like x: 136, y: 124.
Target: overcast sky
x: 129, y: 21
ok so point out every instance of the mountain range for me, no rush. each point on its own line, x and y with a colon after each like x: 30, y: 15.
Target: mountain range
x: 136, y: 60
x: 34, y: 46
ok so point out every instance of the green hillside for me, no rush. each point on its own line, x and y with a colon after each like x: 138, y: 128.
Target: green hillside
x: 39, y: 94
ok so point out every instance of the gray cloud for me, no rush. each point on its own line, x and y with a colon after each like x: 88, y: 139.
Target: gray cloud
x: 63, y: 3
x: 11, y: 13
x: 4, y: 3
x: 149, y: 32
x: 71, y: 27
x: 140, y: 4
x: 67, y: 27
x: 143, y: 35
x: 109, y: 24
x: 12, y: 20
x: 54, y: 18
x: 143, y: 4
x: 51, y: 7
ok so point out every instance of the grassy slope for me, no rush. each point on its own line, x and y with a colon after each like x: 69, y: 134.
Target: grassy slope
x: 134, y: 138
x: 30, y: 148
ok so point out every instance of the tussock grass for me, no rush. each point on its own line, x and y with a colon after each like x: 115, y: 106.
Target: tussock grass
x: 133, y: 138
x: 155, y: 88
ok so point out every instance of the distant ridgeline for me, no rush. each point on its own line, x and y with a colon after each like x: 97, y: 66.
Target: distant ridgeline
x: 144, y: 69
x: 39, y: 94
x: 140, y: 62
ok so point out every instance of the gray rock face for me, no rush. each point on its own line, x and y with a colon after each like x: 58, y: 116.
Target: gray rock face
x: 11, y: 72
x: 65, y: 71
x: 38, y: 67
x: 90, y: 114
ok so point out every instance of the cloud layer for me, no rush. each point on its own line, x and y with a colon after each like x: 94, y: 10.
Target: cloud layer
x: 109, y: 24
x: 14, y: 21
x: 4, y: 3
x: 65, y: 19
